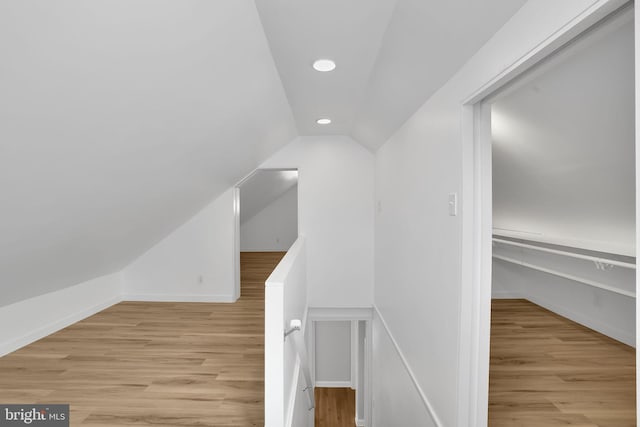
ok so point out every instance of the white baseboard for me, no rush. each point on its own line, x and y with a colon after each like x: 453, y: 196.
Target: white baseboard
x: 507, y: 295
x: 333, y: 384
x: 603, y: 328
x: 25, y: 322
x: 359, y: 422
x: 180, y: 298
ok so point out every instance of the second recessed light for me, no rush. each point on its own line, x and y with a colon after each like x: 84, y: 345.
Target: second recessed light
x: 324, y: 65
x: 323, y: 121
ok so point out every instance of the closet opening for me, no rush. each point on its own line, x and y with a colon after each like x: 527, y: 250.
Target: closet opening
x: 575, y: 238
x: 563, y: 283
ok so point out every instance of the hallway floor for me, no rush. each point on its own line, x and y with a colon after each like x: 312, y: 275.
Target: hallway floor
x: 335, y: 407
x: 160, y: 364
x: 549, y: 371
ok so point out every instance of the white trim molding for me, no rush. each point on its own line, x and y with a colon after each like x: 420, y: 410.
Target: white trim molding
x: 35, y: 318
x: 333, y: 384
x: 180, y: 298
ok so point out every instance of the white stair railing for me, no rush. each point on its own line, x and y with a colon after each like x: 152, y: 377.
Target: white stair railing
x: 286, y: 360
x: 295, y: 333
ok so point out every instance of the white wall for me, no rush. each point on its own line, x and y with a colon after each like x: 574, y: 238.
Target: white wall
x: 563, y: 164
x: 194, y: 263
x: 506, y: 280
x: 335, y: 214
x: 396, y: 401
x: 274, y: 228
x: 418, y: 245
x: 605, y: 311
x: 333, y: 353
x: 29, y: 320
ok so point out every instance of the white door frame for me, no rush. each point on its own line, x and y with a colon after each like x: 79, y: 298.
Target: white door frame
x: 477, y: 213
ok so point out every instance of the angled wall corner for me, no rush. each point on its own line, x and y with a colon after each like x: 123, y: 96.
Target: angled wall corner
x: 193, y: 263
x: 29, y: 320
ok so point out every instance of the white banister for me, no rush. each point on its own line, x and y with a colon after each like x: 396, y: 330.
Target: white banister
x: 286, y: 361
x: 295, y: 326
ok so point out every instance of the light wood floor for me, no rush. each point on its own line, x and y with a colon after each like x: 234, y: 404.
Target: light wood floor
x: 335, y: 407
x: 549, y: 371
x: 160, y: 364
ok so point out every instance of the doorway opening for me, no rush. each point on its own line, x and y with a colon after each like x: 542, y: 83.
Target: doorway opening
x: 528, y: 237
x: 266, y: 222
x: 341, y: 367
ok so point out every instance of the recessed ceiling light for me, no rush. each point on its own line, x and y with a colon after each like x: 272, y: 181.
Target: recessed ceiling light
x: 323, y: 121
x: 324, y: 65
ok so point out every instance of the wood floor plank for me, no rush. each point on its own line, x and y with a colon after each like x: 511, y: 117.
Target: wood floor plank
x: 335, y: 407
x: 160, y: 364
x: 549, y: 371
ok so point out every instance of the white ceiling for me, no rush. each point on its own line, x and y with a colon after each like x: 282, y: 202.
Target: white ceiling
x: 563, y: 152
x: 263, y: 188
x: 391, y: 55
x: 349, y: 32
x: 120, y: 119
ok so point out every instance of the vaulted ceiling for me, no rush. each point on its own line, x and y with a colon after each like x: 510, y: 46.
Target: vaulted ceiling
x: 391, y: 56
x: 120, y: 119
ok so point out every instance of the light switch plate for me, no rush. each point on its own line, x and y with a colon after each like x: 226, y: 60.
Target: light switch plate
x: 453, y: 204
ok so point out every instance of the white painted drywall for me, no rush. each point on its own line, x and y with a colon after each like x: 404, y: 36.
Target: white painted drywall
x: 119, y: 121
x: 396, y: 401
x: 335, y: 214
x: 333, y: 353
x: 194, y: 263
x: 418, y: 245
x: 563, y: 147
x: 285, y: 300
x: 274, y: 228
x: 335, y: 200
x: 29, y: 320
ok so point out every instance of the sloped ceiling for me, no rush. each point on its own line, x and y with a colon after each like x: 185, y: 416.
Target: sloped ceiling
x: 120, y: 119
x: 391, y: 56
x: 263, y: 188
x: 563, y: 151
